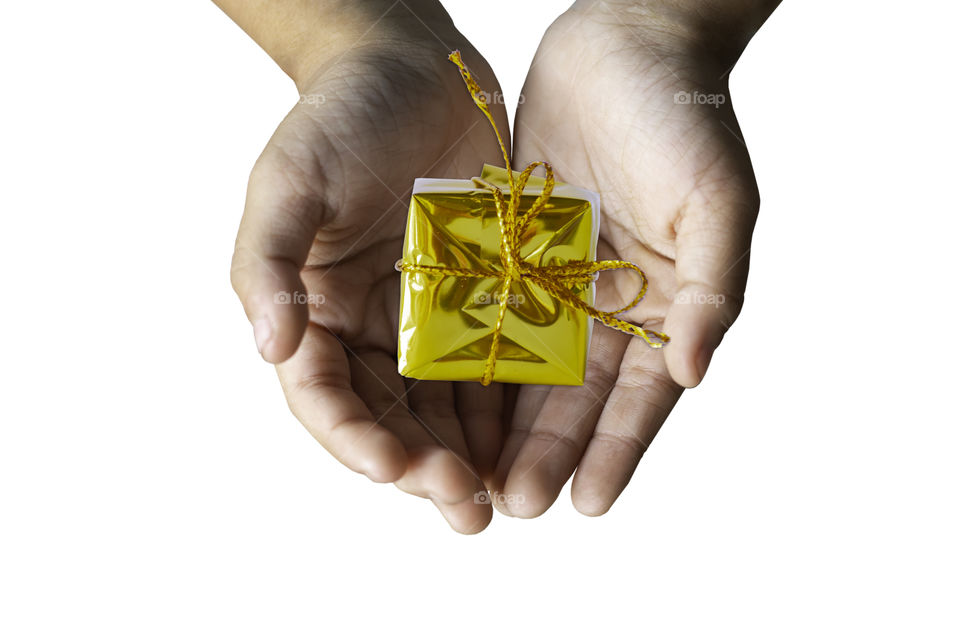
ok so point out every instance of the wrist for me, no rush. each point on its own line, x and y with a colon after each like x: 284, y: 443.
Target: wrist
x: 718, y: 29
x: 414, y: 30
x: 306, y: 36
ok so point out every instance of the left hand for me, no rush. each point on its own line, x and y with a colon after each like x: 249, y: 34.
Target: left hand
x: 642, y: 116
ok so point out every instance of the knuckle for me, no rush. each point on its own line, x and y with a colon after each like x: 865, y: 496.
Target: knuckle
x: 289, y: 184
x: 637, y: 376
x: 317, y: 382
x: 651, y: 388
x: 554, y: 439
x: 600, y: 378
x: 630, y: 442
x: 239, y: 269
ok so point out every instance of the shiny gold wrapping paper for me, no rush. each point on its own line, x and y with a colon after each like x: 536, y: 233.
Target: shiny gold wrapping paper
x: 447, y: 322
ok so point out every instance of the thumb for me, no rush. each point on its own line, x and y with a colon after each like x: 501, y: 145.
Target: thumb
x: 280, y: 220
x: 713, y: 257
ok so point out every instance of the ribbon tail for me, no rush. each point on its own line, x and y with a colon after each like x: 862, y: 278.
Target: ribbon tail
x: 654, y: 339
x: 480, y: 100
x: 490, y: 365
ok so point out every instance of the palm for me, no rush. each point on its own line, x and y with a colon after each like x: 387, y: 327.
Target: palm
x: 607, y: 119
x: 373, y: 127
x: 339, y: 169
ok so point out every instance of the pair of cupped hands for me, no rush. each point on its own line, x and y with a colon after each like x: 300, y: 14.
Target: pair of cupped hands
x: 628, y: 103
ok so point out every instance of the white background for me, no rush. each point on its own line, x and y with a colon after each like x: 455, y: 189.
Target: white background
x: 154, y: 485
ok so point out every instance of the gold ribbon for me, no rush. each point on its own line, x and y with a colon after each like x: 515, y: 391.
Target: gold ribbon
x: 555, y: 279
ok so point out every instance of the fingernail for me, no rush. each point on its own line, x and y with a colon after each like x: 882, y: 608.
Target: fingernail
x: 262, y: 333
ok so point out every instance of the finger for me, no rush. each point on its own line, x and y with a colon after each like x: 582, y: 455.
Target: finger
x: 638, y: 405
x: 432, y: 470
x: 713, y: 257
x: 467, y: 517
x: 432, y: 405
x: 280, y: 219
x: 437, y: 473
x: 316, y: 381
x: 529, y: 400
x: 510, y: 393
x: 481, y: 413
x: 376, y: 381
x: 558, y: 436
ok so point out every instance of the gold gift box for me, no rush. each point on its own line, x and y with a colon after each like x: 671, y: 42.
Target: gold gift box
x: 447, y: 322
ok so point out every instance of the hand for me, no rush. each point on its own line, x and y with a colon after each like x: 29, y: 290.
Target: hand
x: 314, y: 263
x: 633, y: 105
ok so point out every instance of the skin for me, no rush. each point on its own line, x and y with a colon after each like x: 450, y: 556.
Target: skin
x: 326, y: 206
x: 679, y: 199
x: 324, y: 218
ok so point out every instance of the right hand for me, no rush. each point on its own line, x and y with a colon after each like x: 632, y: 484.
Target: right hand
x: 314, y: 261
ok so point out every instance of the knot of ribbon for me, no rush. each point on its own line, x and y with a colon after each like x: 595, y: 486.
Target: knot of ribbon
x: 554, y: 279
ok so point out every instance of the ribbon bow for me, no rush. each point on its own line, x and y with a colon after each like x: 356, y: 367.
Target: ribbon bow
x: 554, y: 279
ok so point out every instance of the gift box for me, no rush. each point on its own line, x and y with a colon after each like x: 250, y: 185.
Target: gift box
x: 448, y: 322
x: 498, y: 276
